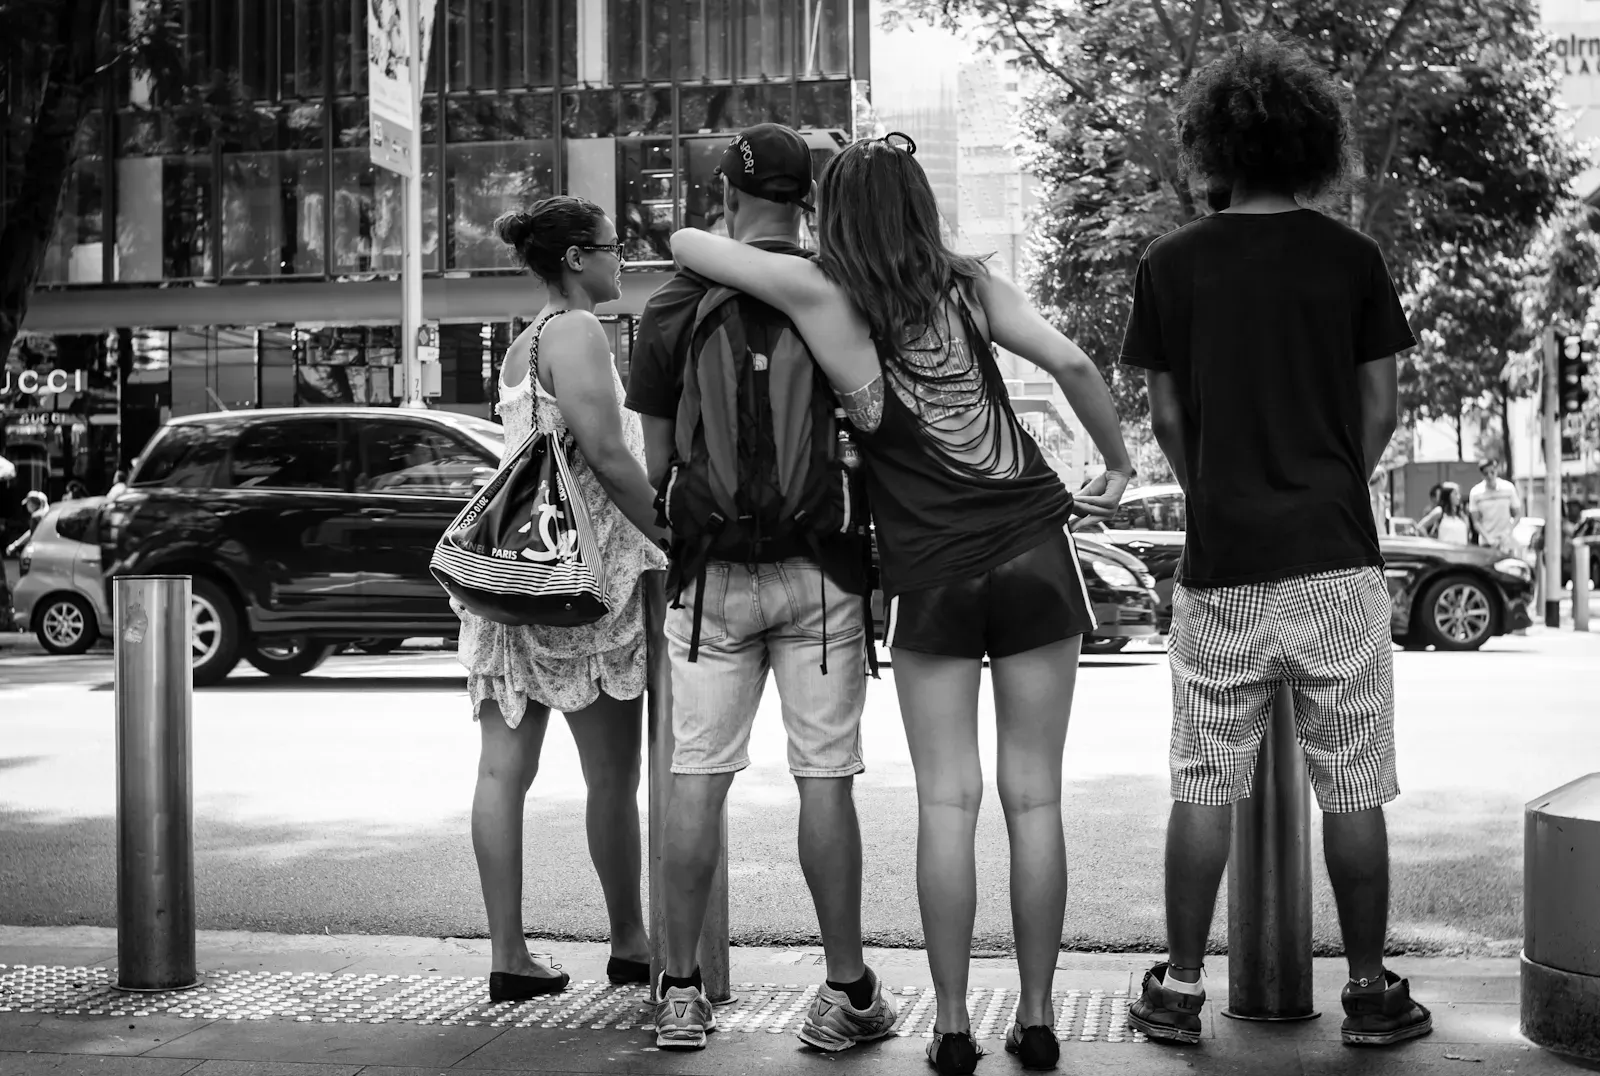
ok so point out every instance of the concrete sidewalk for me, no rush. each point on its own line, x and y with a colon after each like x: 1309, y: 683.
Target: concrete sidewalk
x: 282, y: 1005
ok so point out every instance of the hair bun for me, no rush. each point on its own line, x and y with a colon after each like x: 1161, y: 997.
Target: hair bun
x: 516, y: 227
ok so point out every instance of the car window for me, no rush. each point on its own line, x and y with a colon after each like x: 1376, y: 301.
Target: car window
x: 185, y: 457
x: 295, y: 454
x: 73, y: 523
x: 1130, y: 516
x: 1167, y: 512
x: 416, y: 460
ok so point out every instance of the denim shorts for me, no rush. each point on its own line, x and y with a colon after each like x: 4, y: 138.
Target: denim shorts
x: 756, y: 618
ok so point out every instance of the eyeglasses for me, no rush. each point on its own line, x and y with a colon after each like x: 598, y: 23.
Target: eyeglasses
x: 614, y: 249
x: 899, y: 140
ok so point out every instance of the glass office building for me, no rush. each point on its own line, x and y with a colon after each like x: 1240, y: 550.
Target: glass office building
x: 252, y: 262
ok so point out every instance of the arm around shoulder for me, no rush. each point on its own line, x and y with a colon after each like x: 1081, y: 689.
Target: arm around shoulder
x: 791, y: 284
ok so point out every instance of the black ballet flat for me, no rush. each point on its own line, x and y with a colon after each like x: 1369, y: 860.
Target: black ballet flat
x: 505, y: 986
x: 624, y: 972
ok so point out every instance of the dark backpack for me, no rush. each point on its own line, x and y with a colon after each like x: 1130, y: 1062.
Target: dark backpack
x: 754, y: 475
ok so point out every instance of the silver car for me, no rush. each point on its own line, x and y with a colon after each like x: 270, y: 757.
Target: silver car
x: 61, y: 596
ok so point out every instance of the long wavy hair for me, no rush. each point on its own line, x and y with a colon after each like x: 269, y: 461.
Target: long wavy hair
x: 878, y: 230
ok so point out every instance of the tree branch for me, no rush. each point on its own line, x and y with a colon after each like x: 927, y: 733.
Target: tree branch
x: 1167, y: 26
x: 1040, y: 58
x: 1402, y: 23
x: 1192, y: 49
x: 1231, y: 22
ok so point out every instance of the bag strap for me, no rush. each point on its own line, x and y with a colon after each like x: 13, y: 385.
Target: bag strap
x: 533, y: 348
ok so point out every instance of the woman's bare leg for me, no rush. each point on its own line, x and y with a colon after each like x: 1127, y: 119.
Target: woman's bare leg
x: 1033, y: 699
x: 608, y: 734
x: 939, y: 705
x: 508, y: 761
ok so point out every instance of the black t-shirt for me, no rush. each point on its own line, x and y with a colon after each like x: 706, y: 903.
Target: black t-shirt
x: 655, y: 382
x: 1262, y: 319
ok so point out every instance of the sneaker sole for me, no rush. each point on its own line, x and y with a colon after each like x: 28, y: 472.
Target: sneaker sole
x: 1387, y: 1038
x: 823, y: 1039
x: 1033, y: 1065
x: 682, y: 1040
x: 1163, y: 1033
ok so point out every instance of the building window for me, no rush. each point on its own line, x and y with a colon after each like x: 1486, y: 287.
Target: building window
x: 647, y: 211
x: 500, y: 155
x: 368, y: 207
x: 274, y: 194
x: 76, y: 251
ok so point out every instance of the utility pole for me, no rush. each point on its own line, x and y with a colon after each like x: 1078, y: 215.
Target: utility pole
x: 411, y: 262
x: 1552, y: 479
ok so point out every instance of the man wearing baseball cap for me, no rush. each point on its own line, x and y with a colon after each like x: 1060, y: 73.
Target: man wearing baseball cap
x: 765, y: 173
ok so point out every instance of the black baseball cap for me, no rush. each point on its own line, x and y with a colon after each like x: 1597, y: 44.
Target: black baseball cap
x: 770, y: 161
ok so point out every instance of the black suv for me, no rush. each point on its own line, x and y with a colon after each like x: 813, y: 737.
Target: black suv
x: 303, y: 528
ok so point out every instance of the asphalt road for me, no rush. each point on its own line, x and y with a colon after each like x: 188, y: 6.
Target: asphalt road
x: 339, y: 803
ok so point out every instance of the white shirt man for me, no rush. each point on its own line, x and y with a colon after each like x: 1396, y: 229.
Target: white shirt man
x: 1495, y: 507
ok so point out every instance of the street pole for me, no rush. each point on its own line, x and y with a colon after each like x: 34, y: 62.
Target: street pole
x: 155, y: 834
x: 411, y: 262
x: 1269, y: 882
x: 1552, y: 484
x: 713, y: 948
x: 1581, y: 552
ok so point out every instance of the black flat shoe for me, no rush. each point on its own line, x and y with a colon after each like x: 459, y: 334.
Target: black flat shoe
x: 1037, y: 1046
x: 623, y: 972
x: 953, y: 1053
x: 505, y: 986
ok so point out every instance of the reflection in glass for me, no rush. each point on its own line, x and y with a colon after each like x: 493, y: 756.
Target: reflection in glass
x: 646, y: 217
x: 274, y: 193
x: 824, y: 37
x: 646, y: 111
x: 822, y: 104
x: 75, y: 252
x: 732, y: 108
x: 484, y: 180
x: 301, y: 38
x: 589, y: 114
x: 368, y: 208
x: 627, y: 40
x: 702, y: 188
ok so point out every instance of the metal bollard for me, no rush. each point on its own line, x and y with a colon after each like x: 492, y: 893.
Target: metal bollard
x: 155, y: 837
x: 1580, y: 583
x: 713, y: 952
x: 1269, y: 882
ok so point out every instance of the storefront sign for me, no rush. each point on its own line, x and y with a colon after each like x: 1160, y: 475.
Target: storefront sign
x: 390, y: 38
x: 33, y: 383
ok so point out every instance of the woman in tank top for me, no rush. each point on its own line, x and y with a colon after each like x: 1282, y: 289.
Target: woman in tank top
x: 558, y: 376
x: 971, y: 527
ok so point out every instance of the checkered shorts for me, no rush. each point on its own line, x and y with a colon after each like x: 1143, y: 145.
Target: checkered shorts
x: 1327, y: 637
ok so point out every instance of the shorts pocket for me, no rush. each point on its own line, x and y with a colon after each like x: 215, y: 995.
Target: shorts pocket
x: 713, y: 620
x: 818, y: 605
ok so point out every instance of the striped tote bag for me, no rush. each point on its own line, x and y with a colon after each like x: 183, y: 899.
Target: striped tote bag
x: 523, y: 550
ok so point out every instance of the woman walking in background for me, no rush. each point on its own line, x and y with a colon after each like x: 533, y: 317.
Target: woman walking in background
x: 970, y: 522
x: 1448, y: 521
x: 559, y: 376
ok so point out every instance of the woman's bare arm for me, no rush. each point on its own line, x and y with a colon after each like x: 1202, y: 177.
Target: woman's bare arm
x: 834, y: 331
x: 575, y: 356
x: 1015, y: 325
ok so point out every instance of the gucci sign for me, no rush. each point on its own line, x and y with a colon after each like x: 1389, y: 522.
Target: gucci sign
x: 33, y: 383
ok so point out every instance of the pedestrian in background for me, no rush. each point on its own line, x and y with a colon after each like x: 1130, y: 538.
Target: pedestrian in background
x: 559, y: 376
x: 757, y: 593
x: 971, y: 527
x: 1269, y: 333
x: 1495, y: 506
x: 36, y: 504
x: 1448, y: 521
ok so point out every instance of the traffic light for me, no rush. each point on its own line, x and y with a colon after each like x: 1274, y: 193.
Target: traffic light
x: 1571, y: 365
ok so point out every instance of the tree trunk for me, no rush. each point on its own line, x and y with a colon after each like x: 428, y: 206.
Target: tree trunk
x: 1505, y: 430
x: 1461, y: 448
x: 67, y: 96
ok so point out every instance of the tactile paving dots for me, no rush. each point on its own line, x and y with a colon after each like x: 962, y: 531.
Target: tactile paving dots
x: 450, y: 1000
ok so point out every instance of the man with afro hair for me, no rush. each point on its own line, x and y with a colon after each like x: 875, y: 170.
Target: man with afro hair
x: 1268, y: 331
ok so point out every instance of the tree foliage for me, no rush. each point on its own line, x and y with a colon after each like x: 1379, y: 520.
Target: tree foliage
x: 1462, y: 154
x: 59, y: 58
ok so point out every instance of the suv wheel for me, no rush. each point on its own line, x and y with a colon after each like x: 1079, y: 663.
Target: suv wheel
x: 1456, y: 613
x: 66, y: 625
x: 213, y: 633
x: 293, y: 656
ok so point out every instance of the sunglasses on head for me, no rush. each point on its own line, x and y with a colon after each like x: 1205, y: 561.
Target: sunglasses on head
x: 898, y: 140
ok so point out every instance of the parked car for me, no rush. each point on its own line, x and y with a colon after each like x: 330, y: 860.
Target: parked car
x: 1452, y: 597
x: 304, y: 529
x: 1121, y: 592
x: 60, y: 596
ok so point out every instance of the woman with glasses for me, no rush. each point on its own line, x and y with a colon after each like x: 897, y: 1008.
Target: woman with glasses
x: 971, y: 524
x: 559, y: 376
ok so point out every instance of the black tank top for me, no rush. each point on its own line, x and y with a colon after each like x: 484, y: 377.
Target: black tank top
x: 957, y: 484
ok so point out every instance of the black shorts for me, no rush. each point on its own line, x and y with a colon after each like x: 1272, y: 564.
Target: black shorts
x: 1032, y: 600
